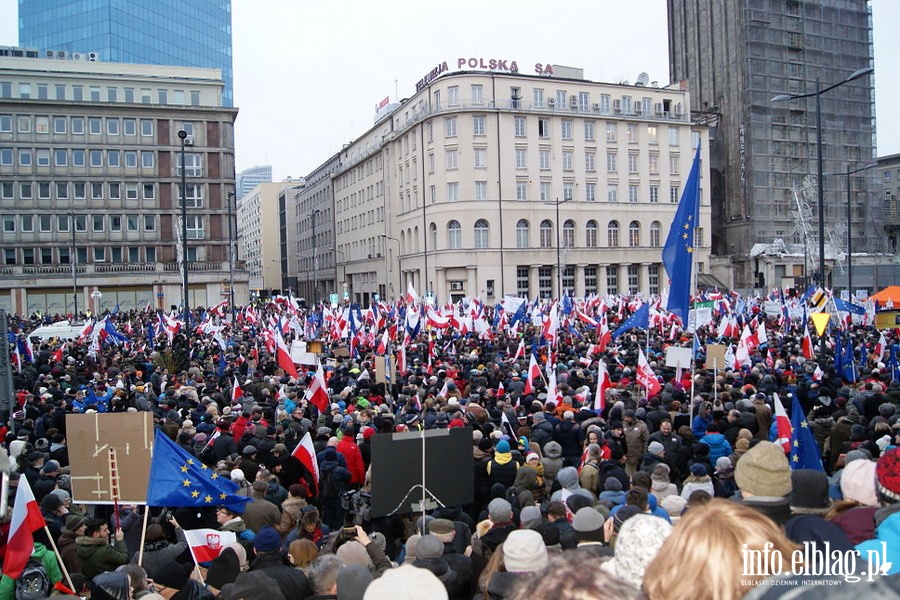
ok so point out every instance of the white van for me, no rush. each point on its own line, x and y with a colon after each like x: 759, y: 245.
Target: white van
x: 63, y: 330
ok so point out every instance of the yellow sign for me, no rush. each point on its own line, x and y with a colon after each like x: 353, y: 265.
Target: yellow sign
x: 820, y: 320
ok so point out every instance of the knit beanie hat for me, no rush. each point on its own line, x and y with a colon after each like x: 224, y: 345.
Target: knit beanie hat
x: 412, y: 543
x: 406, y: 582
x: 655, y: 448
x: 587, y: 519
x: 267, y: 540
x: 352, y: 582
x: 224, y: 569
x: 809, y: 491
x: 354, y: 553
x: 524, y: 551
x: 429, y: 546
x: 858, y: 482
x: 612, y: 485
x: 637, y: 544
x: 252, y: 585
x: 673, y: 505
x: 530, y: 516
x: 73, y: 522
x: 499, y: 510
x: 887, y: 472
x: 764, y: 471
x: 623, y: 515
x: 502, y: 446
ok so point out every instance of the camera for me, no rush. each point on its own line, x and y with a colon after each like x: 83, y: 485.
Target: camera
x: 348, y: 533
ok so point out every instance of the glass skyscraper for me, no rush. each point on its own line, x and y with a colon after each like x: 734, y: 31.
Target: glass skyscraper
x: 188, y: 33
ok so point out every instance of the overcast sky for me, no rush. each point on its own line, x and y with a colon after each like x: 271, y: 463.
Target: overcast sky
x: 308, y: 74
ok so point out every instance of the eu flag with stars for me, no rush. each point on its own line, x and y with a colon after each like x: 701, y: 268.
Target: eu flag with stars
x: 180, y: 479
x: 804, y: 450
x: 678, y: 253
x: 640, y: 318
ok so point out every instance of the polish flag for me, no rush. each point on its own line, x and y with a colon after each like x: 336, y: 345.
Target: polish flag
x: 807, y: 342
x: 782, y: 425
x: 383, y: 344
x: 236, y: 392
x: 401, y: 359
x: 880, y: 347
x: 520, y: 351
x: 411, y: 295
x: 207, y: 544
x: 646, y: 377
x: 604, y: 336
x: 818, y: 374
x: 317, y: 392
x: 534, y: 373
x: 26, y: 519
x: 58, y: 355
x: 305, y: 452
x: 603, y: 384
x: 283, y: 355
x: 501, y: 390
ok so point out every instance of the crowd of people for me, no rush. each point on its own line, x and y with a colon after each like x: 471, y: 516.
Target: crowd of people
x: 681, y: 487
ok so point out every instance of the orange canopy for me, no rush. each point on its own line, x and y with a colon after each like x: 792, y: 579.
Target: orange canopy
x: 892, y: 293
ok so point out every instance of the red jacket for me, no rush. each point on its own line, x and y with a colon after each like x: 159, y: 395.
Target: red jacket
x: 354, y: 459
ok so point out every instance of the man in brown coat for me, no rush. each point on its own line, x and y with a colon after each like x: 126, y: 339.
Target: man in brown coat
x: 68, y: 549
x: 260, y: 512
x: 636, y: 435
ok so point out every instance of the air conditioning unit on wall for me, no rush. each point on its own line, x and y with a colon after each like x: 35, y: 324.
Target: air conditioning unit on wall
x: 456, y: 286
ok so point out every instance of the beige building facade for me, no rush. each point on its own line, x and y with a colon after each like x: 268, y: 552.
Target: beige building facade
x: 259, y: 236
x: 485, y: 184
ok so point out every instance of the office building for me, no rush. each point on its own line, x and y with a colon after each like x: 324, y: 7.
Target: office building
x: 250, y: 178
x: 186, y: 33
x: 491, y: 183
x: 259, y: 237
x: 319, y: 262
x: 735, y: 57
x: 90, y: 186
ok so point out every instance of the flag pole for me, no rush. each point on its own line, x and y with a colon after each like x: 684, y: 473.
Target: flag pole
x: 143, y: 536
x: 62, y: 565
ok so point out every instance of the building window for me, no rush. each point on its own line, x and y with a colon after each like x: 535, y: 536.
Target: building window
x: 24, y: 124
x: 78, y: 125
x: 673, y: 164
x: 674, y: 194
x: 538, y: 95
x: 112, y: 158
x: 632, y: 163
x: 546, y: 234
x: 481, y: 190
x: 150, y: 225
x: 450, y: 127
x: 194, y: 226
x: 6, y: 157
x: 452, y: 161
x: 6, y: 190
x: 146, y: 127
x: 9, y: 224
x: 561, y: 96
x: 568, y: 237
x: 60, y: 157
x: 62, y: 190
x: 131, y: 191
x: 478, y: 124
x: 521, y: 158
x: 612, y: 234
x: 698, y: 237
x: 589, y: 161
x: 634, y: 235
x: 652, y: 137
x: 545, y: 191
x: 544, y: 128
x: 43, y: 190
x: 112, y: 126
x: 150, y: 191
x: 115, y: 190
x: 568, y: 277
x: 590, y: 280
x: 590, y: 234
x: 520, y: 126
x: 96, y: 190
x: 612, y: 279
x: 454, y: 235
x: 148, y: 160
x: 129, y: 126
x: 24, y: 158
x: 611, y: 132
x: 25, y: 191
x: 634, y: 279
x: 482, y: 234
x: 115, y: 223
x: 522, y: 282
x: 673, y: 136
x: 655, y: 229
x: 653, y: 164
x: 453, y: 191
x: 453, y: 95
x: 79, y: 190
x: 584, y: 101
x: 62, y: 223
x: 521, y: 190
x: 96, y: 158
x: 654, y: 194
x: 653, y: 276
x: 568, y: 161
x: 566, y: 129
x: 611, y: 162
x: 98, y: 223
x: 477, y: 94
x: 545, y: 282
x: 43, y: 157
x: 590, y: 192
x: 612, y: 192
x: 95, y: 126
x: 633, y: 193
x: 568, y: 190
x: 131, y: 222
x: 99, y: 255
x: 192, y: 165
x: 131, y: 159
x: 59, y: 124
x: 6, y: 124
x: 522, y: 234
x: 631, y: 133
x: 480, y: 158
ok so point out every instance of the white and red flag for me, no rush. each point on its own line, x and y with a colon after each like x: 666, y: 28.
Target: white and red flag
x: 317, y: 392
x: 782, y: 425
x: 305, y: 452
x: 603, y: 384
x: 646, y: 377
x: 26, y: 519
x: 207, y: 544
x: 534, y: 373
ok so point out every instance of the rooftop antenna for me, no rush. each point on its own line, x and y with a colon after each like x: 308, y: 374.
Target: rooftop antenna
x: 642, y: 80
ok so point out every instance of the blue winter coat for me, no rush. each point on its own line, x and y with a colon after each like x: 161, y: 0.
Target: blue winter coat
x: 887, y: 531
x: 718, y: 446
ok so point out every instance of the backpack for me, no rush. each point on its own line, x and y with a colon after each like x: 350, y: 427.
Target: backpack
x: 328, y: 487
x: 33, y: 583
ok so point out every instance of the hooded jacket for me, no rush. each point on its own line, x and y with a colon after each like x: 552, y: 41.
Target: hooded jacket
x: 718, y: 446
x: 568, y: 479
x: 96, y: 555
x: 887, y: 529
x: 47, y: 558
x: 502, y: 469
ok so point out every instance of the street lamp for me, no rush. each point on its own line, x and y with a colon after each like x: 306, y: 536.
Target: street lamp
x: 399, y: 274
x: 96, y: 295
x: 74, y: 268
x: 558, y: 255
x: 230, y: 253
x: 313, y: 214
x: 821, y: 190
x: 849, y: 226
x: 182, y: 135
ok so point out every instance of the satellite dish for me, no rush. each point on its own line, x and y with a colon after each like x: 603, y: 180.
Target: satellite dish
x: 642, y: 80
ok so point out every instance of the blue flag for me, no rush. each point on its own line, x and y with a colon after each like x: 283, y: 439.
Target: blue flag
x: 678, y: 253
x: 640, y: 318
x: 893, y: 365
x: 220, y: 367
x: 180, y: 479
x: 804, y: 450
x: 849, y: 368
x: 520, y: 313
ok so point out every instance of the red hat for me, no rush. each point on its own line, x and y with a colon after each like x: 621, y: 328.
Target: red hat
x: 887, y: 474
x: 456, y: 423
x: 368, y: 432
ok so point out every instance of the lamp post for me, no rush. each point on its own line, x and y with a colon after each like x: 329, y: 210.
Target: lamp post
x: 182, y: 135
x: 819, y: 176
x: 849, y: 225
x: 74, y: 268
x: 558, y: 254
x: 96, y: 295
x: 230, y: 253
x: 313, y: 214
x: 399, y: 275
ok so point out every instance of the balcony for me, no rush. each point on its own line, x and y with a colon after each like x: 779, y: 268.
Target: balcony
x: 197, y: 266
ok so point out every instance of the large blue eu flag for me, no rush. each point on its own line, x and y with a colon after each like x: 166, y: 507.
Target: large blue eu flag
x: 804, y: 450
x: 678, y: 253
